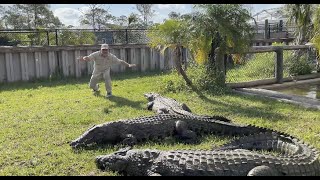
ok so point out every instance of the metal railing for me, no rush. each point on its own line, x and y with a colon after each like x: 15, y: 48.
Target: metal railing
x: 43, y: 37
x: 58, y: 37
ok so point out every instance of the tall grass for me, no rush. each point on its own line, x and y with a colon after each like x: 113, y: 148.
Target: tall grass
x: 262, y: 66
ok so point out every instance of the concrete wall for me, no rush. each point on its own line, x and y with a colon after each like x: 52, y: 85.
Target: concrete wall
x: 28, y: 63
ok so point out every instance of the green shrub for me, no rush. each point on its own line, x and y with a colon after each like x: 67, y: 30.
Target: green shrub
x: 300, y: 67
x: 197, y: 74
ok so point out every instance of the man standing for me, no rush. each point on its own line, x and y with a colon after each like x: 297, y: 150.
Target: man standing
x: 103, y: 60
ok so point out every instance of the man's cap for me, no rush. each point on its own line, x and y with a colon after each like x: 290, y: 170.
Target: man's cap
x: 104, y: 46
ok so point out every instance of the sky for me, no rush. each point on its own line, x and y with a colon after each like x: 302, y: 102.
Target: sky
x: 69, y: 13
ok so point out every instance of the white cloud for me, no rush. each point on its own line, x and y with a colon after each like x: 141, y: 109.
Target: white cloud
x: 84, y: 9
x: 162, y: 11
x: 158, y: 18
x: 172, y: 7
x: 68, y: 16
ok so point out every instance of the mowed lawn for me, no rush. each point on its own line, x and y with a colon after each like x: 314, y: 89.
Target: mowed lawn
x: 39, y: 119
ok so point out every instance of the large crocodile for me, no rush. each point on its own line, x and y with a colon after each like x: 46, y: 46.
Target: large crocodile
x: 297, y: 159
x: 164, y: 105
x: 186, y: 128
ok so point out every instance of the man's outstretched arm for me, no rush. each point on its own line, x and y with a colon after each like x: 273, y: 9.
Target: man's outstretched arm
x: 84, y: 58
x: 127, y: 64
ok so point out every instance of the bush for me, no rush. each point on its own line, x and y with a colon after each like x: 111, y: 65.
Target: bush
x: 197, y: 74
x: 300, y: 67
x: 5, y: 41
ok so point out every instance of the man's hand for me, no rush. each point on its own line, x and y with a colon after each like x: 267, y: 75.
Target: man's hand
x: 132, y: 65
x: 80, y: 58
x: 83, y: 58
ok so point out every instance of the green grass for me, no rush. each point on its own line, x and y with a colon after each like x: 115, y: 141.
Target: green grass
x: 258, y: 66
x: 39, y: 119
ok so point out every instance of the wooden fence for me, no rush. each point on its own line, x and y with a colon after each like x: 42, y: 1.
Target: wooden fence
x: 28, y: 63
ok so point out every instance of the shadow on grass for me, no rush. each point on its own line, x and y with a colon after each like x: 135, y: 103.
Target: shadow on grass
x: 120, y: 101
x: 168, y: 141
x: 21, y: 85
x: 265, y: 111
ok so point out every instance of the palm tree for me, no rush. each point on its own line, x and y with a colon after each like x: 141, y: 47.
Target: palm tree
x: 219, y: 25
x: 301, y: 16
x: 316, y: 32
x: 171, y: 34
x: 213, y: 25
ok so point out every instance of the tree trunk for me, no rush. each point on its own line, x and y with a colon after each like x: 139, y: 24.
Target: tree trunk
x: 215, y: 43
x: 177, y: 60
x: 301, y: 39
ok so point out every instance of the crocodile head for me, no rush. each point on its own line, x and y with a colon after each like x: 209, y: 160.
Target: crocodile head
x: 103, y: 133
x: 117, y: 161
x: 151, y: 96
x: 127, y: 161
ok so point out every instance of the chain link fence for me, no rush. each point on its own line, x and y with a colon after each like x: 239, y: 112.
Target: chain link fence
x: 31, y: 37
x: 250, y: 67
x: 24, y: 37
x: 259, y: 66
x: 300, y: 62
x: 42, y: 37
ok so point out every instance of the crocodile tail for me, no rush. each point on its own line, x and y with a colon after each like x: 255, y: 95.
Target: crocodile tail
x: 263, y: 129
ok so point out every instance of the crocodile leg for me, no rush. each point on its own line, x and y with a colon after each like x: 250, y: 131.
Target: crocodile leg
x: 150, y: 105
x: 184, y: 133
x: 185, y: 107
x: 130, y: 140
x: 263, y: 171
x: 162, y: 111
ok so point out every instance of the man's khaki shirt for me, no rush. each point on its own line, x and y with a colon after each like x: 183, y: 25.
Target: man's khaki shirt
x: 103, y: 63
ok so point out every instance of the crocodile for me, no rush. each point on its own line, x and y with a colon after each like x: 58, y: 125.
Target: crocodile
x: 157, y: 127
x: 165, y: 105
x: 297, y: 159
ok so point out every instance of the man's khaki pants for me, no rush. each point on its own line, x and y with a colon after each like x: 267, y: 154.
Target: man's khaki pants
x: 96, y: 76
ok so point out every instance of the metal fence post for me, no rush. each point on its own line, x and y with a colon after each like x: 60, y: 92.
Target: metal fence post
x: 56, y: 36
x: 269, y: 32
x: 279, y: 65
x: 280, y: 25
x: 127, y: 36
x: 48, y: 39
x: 266, y: 27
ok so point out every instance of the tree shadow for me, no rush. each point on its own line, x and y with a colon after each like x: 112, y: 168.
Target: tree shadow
x: 167, y: 141
x: 121, y: 101
x: 264, y: 111
x: 38, y: 83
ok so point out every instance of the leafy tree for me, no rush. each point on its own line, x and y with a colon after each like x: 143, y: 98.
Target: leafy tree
x: 174, y: 15
x: 70, y: 37
x: 133, y: 19
x: 301, y: 16
x: 31, y: 16
x: 316, y: 33
x: 171, y: 34
x: 122, y: 20
x: 219, y: 25
x: 2, y: 9
x: 146, y: 12
x: 13, y: 18
x: 96, y: 16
